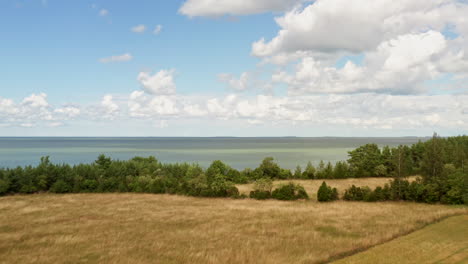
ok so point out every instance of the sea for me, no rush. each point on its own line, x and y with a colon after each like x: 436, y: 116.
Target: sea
x: 237, y: 152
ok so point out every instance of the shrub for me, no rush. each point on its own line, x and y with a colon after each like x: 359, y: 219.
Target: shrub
x: 262, y: 189
x: 264, y: 184
x: 326, y: 193
x: 289, y: 192
x: 353, y: 194
x: 260, y: 195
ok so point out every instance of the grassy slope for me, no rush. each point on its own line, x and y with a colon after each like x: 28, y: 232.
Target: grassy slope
x: 444, y: 242
x: 145, y: 228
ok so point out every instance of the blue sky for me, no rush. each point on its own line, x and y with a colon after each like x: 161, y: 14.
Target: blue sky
x: 58, y: 44
x: 234, y: 68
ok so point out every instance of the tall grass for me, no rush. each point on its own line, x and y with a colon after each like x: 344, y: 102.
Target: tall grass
x: 144, y: 228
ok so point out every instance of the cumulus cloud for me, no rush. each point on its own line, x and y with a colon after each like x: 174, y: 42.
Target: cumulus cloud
x: 36, y: 101
x: 142, y: 105
x: 214, y: 8
x: 117, y: 58
x: 161, y: 83
x: 34, y: 109
x: 357, y: 26
x: 68, y: 111
x: 364, y: 110
x: 138, y: 29
x: 236, y: 84
x: 109, y: 107
x: 399, y: 66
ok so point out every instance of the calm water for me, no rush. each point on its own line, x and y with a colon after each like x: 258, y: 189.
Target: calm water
x: 238, y: 152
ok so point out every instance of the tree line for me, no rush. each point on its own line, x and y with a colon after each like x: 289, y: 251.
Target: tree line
x: 437, y: 160
x: 441, y: 164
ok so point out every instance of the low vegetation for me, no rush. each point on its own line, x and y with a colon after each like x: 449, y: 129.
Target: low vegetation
x: 327, y: 193
x: 444, y: 242
x: 147, y: 228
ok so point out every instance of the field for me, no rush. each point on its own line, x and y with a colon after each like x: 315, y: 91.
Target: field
x: 312, y: 186
x: 145, y: 228
x: 444, y: 242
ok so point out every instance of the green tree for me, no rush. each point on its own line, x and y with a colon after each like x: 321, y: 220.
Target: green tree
x: 4, y: 186
x: 341, y: 170
x: 309, y: 172
x: 380, y: 171
x: 364, y: 160
x: 269, y: 168
x: 432, y: 165
x: 297, y: 172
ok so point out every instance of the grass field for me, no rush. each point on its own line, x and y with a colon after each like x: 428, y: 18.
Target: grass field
x: 145, y: 228
x: 312, y: 186
x: 444, y: 242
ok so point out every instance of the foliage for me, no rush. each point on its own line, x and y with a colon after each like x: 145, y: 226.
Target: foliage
x: 364, y: 160
x: 326, y: 193
x: 290, y: 191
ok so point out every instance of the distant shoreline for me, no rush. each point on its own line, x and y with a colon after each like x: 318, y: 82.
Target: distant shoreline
x: 220, y: 137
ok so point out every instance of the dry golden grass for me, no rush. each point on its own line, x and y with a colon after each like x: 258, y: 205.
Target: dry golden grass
x: 145, y: 228
x: 312, y: 186
x: 444, y: 242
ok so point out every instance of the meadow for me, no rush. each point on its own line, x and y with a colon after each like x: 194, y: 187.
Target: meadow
x: 312, y: 186
x: 148, y: 228
x: 444, y: 242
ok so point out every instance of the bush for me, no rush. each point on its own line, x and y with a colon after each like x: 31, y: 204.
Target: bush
x: 260, y: 195
x: 326, y: 193
x: 353, y: 194
x: 262, y: 189
x: 289, y: 192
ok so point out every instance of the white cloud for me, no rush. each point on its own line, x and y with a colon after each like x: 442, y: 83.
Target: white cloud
x: 357, y: 26
x: 34, y: 110
x: 236, y: 84
x: 161, y: 83
x: 104, y: 12
x: 351, y: 111
x: 144, y: 106
x: 117, y: 58
x: 139, y: 28
x: 68, y: 111
x: 36, y: 101
x: 214, y: 8
x: 401, y: 65
x: 109, y: 107
x: 157, y: 29
x: 369, y: 111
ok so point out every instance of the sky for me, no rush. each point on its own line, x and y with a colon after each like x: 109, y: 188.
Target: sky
x: 233, y: 68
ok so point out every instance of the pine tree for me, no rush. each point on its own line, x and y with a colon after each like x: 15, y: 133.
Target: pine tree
x: 433, y: 164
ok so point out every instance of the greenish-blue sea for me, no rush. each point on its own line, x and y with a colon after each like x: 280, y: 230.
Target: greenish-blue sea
x: 240, y: 153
